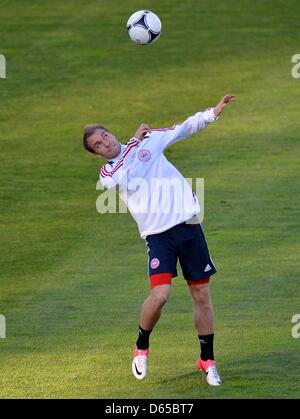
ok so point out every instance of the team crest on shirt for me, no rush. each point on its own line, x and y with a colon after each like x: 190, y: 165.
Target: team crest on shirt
x: 144, y: 155
x: 154, y: 263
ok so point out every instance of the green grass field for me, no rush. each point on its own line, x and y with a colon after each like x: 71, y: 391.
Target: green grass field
x: 72, y: 281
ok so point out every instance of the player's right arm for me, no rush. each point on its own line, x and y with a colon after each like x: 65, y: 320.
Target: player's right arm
x: 141, y: 132
x: 106, y: 177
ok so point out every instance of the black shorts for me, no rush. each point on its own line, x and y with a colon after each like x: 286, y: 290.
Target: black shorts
x: 185, y: 242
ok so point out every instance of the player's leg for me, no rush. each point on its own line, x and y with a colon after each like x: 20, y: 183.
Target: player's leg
x: 204, y: 324
x: 203, y: 308
x: 197, y: 267
x: 162, y: 261
x: 153, y: 305
x: 150, y: 314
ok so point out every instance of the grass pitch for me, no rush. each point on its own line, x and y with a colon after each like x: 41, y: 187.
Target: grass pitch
x: 72, y: 281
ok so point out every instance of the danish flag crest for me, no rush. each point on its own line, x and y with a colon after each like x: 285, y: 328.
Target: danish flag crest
x: 154, y: 263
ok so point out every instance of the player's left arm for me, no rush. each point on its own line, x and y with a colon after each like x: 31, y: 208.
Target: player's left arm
x: 194, y: 123
x: 223, y: 102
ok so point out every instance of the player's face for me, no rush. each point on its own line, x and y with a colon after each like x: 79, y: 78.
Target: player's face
x: 104, y: 144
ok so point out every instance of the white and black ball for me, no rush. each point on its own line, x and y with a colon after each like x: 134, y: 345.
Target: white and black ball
x: 144, y: 27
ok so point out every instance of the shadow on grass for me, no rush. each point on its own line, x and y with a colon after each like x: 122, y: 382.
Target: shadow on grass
x: 266, y: 376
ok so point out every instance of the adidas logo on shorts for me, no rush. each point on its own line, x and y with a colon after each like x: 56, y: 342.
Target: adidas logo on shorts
x: 208, y: 268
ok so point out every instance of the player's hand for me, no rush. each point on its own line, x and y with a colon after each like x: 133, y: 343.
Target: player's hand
x: 227, y: 98
x: 141, y: 132
x: 223, y: 102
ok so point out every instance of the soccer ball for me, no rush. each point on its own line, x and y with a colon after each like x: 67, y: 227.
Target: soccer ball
x: 144, y: 27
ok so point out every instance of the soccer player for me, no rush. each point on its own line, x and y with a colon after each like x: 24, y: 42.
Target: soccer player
x: 167, y: 221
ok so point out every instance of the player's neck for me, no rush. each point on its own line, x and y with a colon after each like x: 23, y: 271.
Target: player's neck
x: 117, y: 154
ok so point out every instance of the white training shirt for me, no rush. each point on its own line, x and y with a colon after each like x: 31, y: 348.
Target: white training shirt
x: 155, y: 192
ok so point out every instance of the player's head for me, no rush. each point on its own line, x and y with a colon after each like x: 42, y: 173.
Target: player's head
x: 98, y: 140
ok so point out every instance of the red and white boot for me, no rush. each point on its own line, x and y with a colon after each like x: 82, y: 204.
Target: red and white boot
x: 210, y: 369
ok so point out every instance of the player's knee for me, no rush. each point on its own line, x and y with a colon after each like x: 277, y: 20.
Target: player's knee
x: 161, y: 300
x: 201, y: 295
x: 160, y: 297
